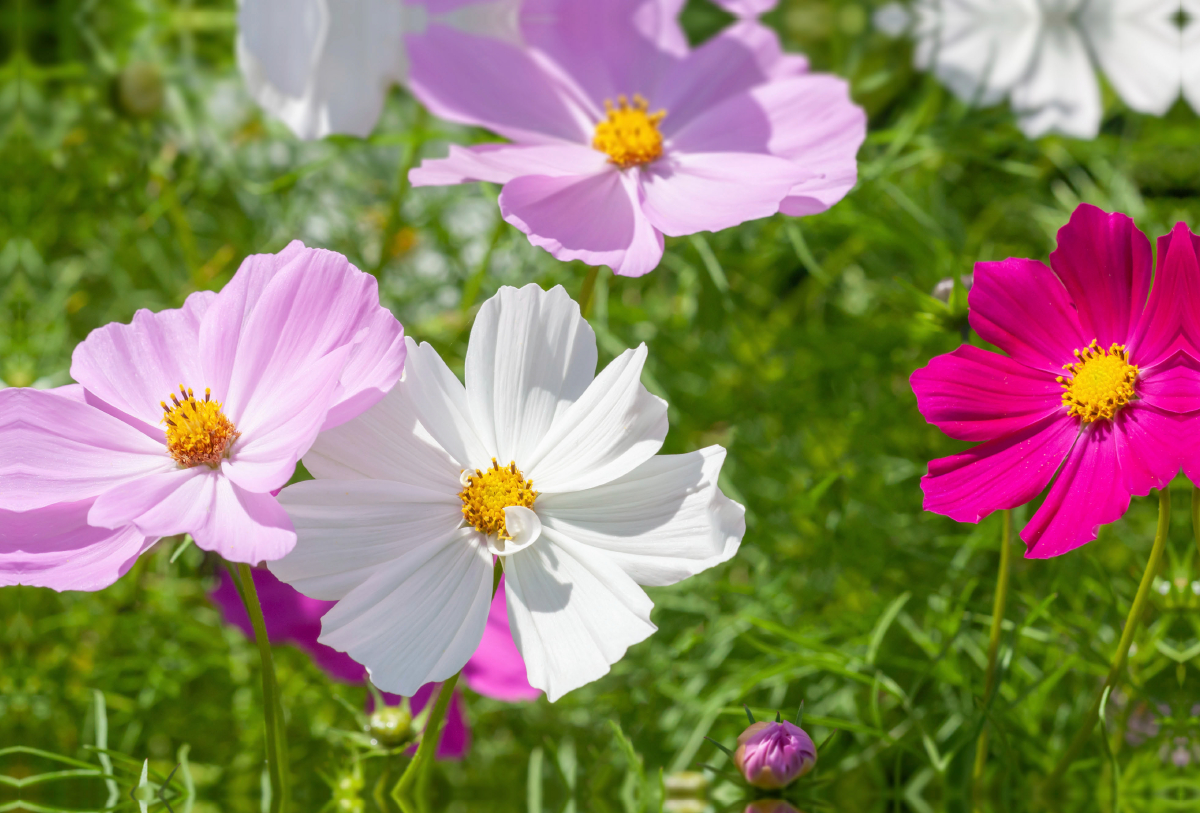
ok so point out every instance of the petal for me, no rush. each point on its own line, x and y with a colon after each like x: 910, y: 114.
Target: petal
x: 1059, y: 92
x: 615, y: 426
x: 1089, y: 492
x: 979, y: 50
x: 1137, y: 46
x: 244, y: 526
x: 55, y: 547
x: 1106, y: 265
x: 531, y: 355
x: 374, y: 365
x: 1172, y: 317
x: 662, y: 522
x: 348, y: 529
x: 419, y: 618
x: 440, y: 403
x: 695, y: 192
x: 1022, y: 308
x: 501, y: 163
x: 747, y: 8
x: 975, y: 395
x: 523, y: 526
x: 1173, y: 386
x: 594, y: 218
x: 1001, y: 473
x: 573, y: 612
x: 497, y: 670
x: 1148, y: 443
x: 165, y: 504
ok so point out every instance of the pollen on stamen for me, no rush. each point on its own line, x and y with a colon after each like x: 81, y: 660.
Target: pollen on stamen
x: 1100, y: 384
x: 198, y: 432
x: 486, y: 494
x: 629, y: 134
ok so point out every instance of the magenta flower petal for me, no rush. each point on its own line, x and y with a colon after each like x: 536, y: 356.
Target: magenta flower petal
x: 773, y: 755
x: 1173, y: 312
x: 1001, y: 473
x: 497, y: 669
x: 1173, y: 385
x: 1021, y: 307
x: 456, y: 734
x: 55, y: 547
x: 713, y: 191
x: 975, y: 395
x: 1148, y: 449
x: 1105, y: 264
x: 594, y: 218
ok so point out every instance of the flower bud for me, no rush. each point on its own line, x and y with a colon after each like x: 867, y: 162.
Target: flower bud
x: 391, y: 725
x: 773, y: 755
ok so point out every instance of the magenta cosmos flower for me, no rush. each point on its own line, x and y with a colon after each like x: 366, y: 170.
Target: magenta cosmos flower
x: 619, y: 137
x: 496, y: 669
x: 191, y: 418
x: 1088, y: 391
x: 774, y: 755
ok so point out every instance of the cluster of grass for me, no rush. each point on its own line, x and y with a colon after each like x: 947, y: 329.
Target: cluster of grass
x: 135, y: 171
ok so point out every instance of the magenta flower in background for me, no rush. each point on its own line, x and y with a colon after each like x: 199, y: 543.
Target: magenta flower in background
x: 620, y: 137
x: 1089, y: 390
x: 774, y: 755
x: 496, y: 669
x: 188, y: 419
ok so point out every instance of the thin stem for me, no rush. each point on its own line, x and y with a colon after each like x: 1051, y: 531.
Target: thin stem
x: 1131, y: 625
x: 1196, y: 520
x: 277, y: 758
x: 989, y: 684
x: 429, y: 741
x: 587, y: 292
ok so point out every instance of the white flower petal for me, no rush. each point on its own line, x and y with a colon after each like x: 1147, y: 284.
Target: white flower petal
x: 523, y: 526
x: 614, y: 427
x: 420, y: 618
x: 441, y: 406
x: 573, y: 612
x: 531, y: 356
x: 1139, y: 49
x: 664, y: 521
x: 387, y: 442
x: 1060, y: 92
x: 347, y: 529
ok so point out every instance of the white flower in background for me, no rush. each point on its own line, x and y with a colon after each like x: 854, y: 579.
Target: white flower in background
x: 1039, y: 54
x: 325, y: 66
x: 537, y: 461
x: 1191, y: 54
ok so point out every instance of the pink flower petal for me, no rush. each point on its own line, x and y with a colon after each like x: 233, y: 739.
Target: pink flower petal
x: 972, y: 394
x: 243, y: 526
x: 497, y: 669
x: 1148, y: 443
x: 501, y: 163
x: 1001, y: 473
x: 1105, y: 264
x: 713, y: 191
x: 594, y: 218
x: 1172, y: 317
x: 163, y: 504
x: 1173, y: 386
x: 747, y: 8
x: 1022, y: 308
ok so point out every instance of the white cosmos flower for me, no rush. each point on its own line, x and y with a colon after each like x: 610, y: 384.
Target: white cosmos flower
x: 536, y: 460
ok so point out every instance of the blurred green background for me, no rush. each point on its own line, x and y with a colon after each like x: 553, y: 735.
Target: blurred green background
x: 134, y: 170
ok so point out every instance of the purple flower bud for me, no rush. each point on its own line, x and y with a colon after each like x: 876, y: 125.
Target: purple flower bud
x: 773, y: 755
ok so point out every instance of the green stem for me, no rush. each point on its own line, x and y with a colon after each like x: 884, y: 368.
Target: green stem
x: 277, y: 759
x: 587, y: 292
x: 1131, y: 625
x: 1196, y: 520
x: 429, y: 742
x: 989, y: 685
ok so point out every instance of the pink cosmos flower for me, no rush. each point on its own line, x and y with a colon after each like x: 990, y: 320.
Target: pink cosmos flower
x: 620, y: 138
x: 1088, y: 391
x: 189, y: 419
x: 496, y: 670
x: 774, y: 755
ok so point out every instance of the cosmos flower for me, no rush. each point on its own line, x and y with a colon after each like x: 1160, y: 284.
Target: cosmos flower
x: 189, y: 419
x: 495, y: 670
x: 1089, y: 390
x: 774, y: 755
x: 747, y: 8
x: 536, y: 461
x: 618, y: 139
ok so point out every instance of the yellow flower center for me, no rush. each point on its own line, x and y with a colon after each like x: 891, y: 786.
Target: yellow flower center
x: 629, y: 134
x: 197, y: 431
x: 486, y: 494
x: 1101, y: 382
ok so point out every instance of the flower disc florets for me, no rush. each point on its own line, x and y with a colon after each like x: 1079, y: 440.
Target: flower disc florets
x: 629, y: 135
x: 197, y: 431
x: 1101, y: 382
x: 486, y: 494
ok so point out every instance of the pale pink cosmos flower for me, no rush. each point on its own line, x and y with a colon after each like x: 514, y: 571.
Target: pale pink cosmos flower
x: 1089, y: 391
x: 496, y: 669
x: 774, y: 755
x: 189, y: 419
x: 619, y: 138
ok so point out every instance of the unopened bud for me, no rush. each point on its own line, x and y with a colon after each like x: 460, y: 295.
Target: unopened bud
x: 391, y: 725
x: 773, y: 755
x: 770, y: 806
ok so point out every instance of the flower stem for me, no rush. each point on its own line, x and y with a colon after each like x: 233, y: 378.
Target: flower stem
x: 1131, y: 624
x: 1196, y: 520
x: 277, y: 758
x: 989, y: 683
x: 588, y: 291
x: 416, y: 769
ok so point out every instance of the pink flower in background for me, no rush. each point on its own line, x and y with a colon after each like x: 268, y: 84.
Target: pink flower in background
x: 621, y: 137
x: 1089, y: 390
x: 496, y: 669
x: 188, y: 419
x: 774, y: 755
x: 747, y: 8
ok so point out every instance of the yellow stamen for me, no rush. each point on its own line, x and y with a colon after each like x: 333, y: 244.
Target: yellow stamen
x: 197, y: 431
x: 629, y: 135
x: 486, y: 494
x: 1101, y: 382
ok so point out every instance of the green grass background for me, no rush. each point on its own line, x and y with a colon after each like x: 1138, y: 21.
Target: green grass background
x: 788, y: 341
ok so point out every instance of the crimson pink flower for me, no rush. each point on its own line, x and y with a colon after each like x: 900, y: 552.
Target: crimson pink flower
x: 496, y: 669
x: 774, y: 755
x: 621, y: 134
x: 1089, y: 390
x: 189, y: 419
